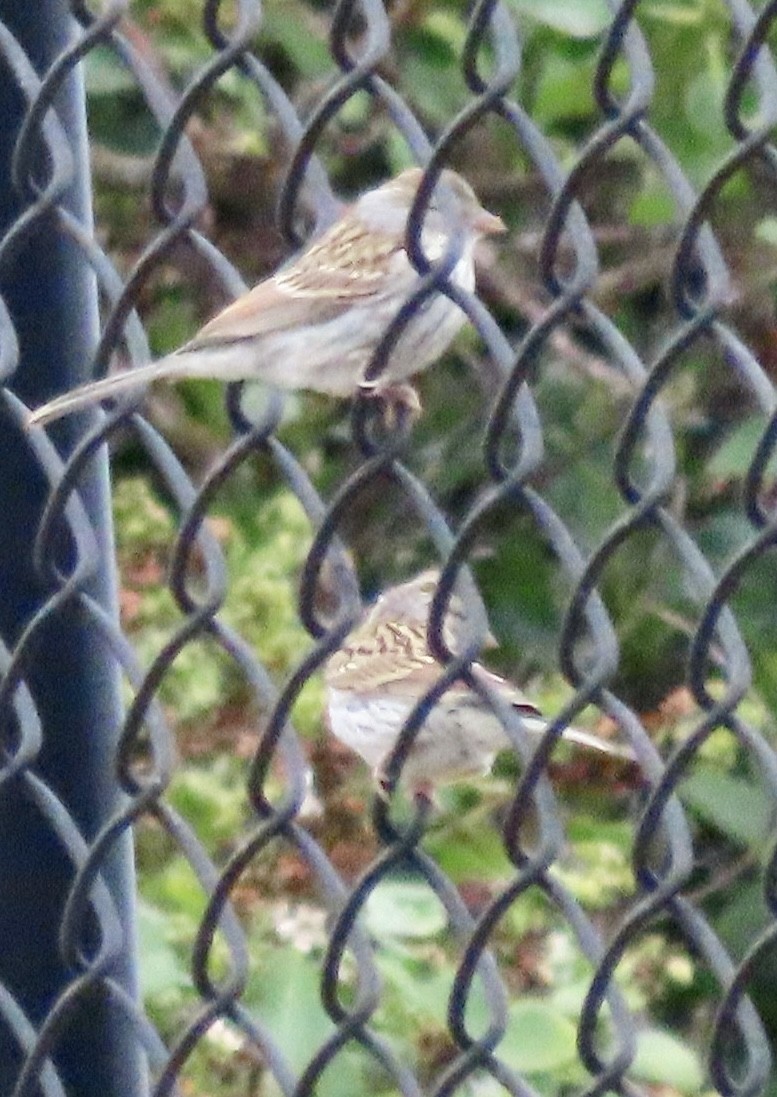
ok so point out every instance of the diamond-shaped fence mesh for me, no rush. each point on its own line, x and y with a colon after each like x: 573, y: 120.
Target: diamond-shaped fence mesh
x: 597, y: 448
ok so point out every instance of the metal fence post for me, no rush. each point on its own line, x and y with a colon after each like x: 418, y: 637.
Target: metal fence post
x: 50, y: 293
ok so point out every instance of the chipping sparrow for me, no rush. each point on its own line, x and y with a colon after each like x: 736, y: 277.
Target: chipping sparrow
x: 384, y: 669
x: 316, y: 323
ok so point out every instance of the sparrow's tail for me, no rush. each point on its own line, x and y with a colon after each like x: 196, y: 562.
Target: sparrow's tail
x: 94, y: 391
x: 582, y: 739
x: 604, y: 746
x: 173, y: 367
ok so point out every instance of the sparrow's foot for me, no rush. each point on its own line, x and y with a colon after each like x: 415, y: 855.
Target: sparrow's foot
x: 423, y: 795
x: 382, y: 784
x: 401, y: 404
x: 423, y: 791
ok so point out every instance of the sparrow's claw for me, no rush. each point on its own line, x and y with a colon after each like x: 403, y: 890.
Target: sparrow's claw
x: 401, y: 403
x: 382, y: 784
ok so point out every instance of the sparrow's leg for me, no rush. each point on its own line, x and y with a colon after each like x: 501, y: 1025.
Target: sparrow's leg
x: 423, y: 791
x: 423, y: 795
x: 400, y: 401
x: 382, y: 783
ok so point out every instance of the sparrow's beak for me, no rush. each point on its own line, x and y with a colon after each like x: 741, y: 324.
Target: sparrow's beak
x: 488, y: 224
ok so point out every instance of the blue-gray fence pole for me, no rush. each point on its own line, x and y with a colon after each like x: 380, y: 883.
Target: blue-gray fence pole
x: 50, y: 293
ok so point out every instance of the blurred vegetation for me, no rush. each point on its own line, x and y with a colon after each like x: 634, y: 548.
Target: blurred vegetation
x: 583, y: 403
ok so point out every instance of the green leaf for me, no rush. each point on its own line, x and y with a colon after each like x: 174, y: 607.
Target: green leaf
x: 432, y: 74
x: 296, y: 34
x: 161, y: 968
x: 538, y: 1040
x: 105, y: 74
x: 176, y: 889
x: 404, y: 908
x: 470, y: 849
x: 564, y: 90
x: 738, y: 808
x: 676, y: 15
x: 654, y: 205
x: 448, y: 27
x: 737, y: 451
x: 422, y: 989
x: 285, y: 993
x: 577, y: 18
x: 744, y: 916
x: 663, y: 1059
x: 703, y: 104
x: 213, y: 798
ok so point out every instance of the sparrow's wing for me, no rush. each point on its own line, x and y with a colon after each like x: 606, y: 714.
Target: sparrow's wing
x: 349, y: 261
x: 264, y: 310
x: 393, y: 658
x: 346, y: 266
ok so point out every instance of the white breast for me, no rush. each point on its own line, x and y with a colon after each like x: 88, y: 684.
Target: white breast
x: 452, y: 741
x: 369, y: 727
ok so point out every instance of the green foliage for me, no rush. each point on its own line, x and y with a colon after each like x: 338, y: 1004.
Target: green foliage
x: 264, y: 555
x: 572, y: 18
x: 739, y: 808
x: 662, y: 1058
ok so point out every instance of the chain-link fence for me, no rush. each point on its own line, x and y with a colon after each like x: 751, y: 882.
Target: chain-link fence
x: 368, y: 945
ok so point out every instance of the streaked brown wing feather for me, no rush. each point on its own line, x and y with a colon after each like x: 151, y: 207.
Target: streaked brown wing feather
x: 345, y: 265
x: 263, y: 310
x: 393, y: 660
x: 381, y: 659
x: 349, y: 261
